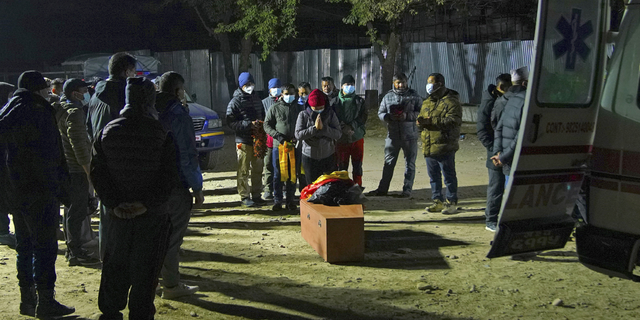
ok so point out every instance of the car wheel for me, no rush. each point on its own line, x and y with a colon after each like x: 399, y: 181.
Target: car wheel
x: 208, y: 160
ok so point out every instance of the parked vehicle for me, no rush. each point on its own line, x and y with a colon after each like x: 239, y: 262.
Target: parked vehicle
x: 209, y: 134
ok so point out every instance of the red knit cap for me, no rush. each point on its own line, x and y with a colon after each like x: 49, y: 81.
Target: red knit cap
x: 316, y: 98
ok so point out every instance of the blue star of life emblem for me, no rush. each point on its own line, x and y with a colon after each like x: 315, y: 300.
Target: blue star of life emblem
x: 573, y: 42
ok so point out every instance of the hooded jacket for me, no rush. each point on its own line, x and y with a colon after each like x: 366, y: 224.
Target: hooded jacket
x: 71, y: 121
x: 105, y: 105
x: 241, y: 111
x: 483, y: 125
x: 280, y: 122
x: 351, y: 112
x: 176, y: 119
x: 409, y: 103
x: 135, y: 158
x: 506, y: 135
x: 441, y: 136
x: 33, y: 166
x: 318, y: 144
x: 501, y: 103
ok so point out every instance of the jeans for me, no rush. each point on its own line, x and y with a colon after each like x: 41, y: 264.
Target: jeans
x: 277, y: 184
x: 179, y: 209
x: 495, y: 189
x: 391, y: 152
x: 249, y: 166
x: 355, y: 151
x: 506, y: 180
x: 135, y: 252
x: 77, y: 213
x: 268, y: 172
x: 315, y: 168
x: 37, y: 244
x: 444, y: 165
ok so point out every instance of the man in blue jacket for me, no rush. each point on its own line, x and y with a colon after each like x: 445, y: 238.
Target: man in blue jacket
x: 33, y: 167
x: 175, y: 119
x: 275, y: 91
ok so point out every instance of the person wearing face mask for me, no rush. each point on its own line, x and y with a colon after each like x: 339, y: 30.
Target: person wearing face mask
x: 280, y: 123
x: 304, y: 89
x: 71, y: 120
x: 399, y: 109
x: 485, y: 132
x: 275, y: 91
x: 104, y: 106
x: 245, y: 114
x: 353, y: 116
x: 31, y: 175
x: 329, y: 88
x: 440, y: 120
x: 318, y: 128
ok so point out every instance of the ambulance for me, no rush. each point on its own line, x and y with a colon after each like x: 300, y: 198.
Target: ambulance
x: 581, y: 119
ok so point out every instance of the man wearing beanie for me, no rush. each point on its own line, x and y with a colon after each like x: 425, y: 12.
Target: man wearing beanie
x: 318, y: 127
x: 352, y: 114
x: 31, y: 174
x: 506, y: 133
x: 245, y: 115
x: 134, y: 171
x: 275, y: 91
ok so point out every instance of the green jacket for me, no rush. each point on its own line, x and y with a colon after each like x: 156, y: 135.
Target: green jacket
x: 280, y: 122
x: 440, y: 135
x: 72, y: 121
x: 353, y: 115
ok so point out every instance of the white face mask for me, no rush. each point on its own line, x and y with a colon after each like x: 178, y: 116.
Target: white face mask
x: 288, y: 98
x: 248, y: 89
x: 430, y: 88
x: 275, y: 92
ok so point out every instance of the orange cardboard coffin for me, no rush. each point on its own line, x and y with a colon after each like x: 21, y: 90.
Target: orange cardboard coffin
x: 336, y: 233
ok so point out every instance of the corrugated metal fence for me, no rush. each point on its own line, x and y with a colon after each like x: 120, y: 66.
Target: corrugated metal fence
x: 468, y: 68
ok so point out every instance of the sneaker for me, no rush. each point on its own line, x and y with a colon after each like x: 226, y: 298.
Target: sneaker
x: 82, y: 257
x: 246, y: 202
x: 259, y: 201
x: 178, y: 291
x: 8, y: 239
x: 450, y: 207
x: 437, y: 206
x: 490, y: 227
x: 405, y: 195
x: 376, y: 193
x: 292, y: 206
x: 277, y: 207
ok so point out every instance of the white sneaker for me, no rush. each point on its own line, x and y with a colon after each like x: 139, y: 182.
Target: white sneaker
x: 180, y: 290
x: 450, y: 207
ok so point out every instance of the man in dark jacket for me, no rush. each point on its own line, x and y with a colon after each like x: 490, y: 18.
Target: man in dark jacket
x: 353, y: 116
x: 32, y: 170
x: 486, y: 135
x: 275, y: 91
x: 134, y: 171
x: 280, y: 123
x: 506, y: 134
x: 105, y: 105
x: 175, y: 119
x: 440, y: 120
x: 245, y: 115
x: 399, y: 110
x: 329, y: 88
x: 6, y: 237
x: 71, y: 120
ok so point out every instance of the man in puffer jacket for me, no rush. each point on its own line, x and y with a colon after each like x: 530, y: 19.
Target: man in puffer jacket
x: 506, y: 135
x: 440, y: 120
x: 134, y: 170
x: 245, y: 114
x: 353, y: 115
x: 399, y: 110
x: 275, y: 92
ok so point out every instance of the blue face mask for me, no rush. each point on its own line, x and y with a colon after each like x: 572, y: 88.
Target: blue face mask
x: 349, y: 89
x: 288, y: 98
x: 275, y: 92
x: 86, y: 98
x: 317, y: 111
x: 302, y: 100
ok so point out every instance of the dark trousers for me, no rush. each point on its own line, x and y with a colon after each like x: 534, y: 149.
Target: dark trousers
x: 103, y: 230
x: 355, y: 152
x: 313, y: 168
x: 77, y: 213
x: 444, y: 165
x: 133, y: 259
x: 37, y: 245
x: 277, y: 184
x: 179, y: 209
x: 302, y: 179
x: 391, y: 152
x: 4, y: 223
x: 495, y: 189
x: 268, y: 172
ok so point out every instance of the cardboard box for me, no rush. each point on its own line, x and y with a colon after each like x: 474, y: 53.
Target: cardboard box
x: 336, y: 233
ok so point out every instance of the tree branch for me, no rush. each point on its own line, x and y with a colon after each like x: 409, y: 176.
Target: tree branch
x: 204, y: 24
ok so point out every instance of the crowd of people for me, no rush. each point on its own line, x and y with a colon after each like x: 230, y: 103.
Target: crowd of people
x: 130, y: 141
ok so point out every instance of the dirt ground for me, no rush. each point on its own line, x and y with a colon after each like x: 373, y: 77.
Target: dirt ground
x: 254, y: 264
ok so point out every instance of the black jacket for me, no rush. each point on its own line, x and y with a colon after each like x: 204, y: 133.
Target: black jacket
x: 33, y: 166
x: 134, y: 161
x: 506, y: 135
x: 501, y: 102
x: 105, y: 105
x: 241, y: 111
x: 483, y: 125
